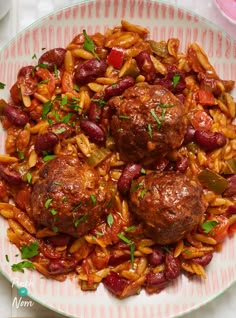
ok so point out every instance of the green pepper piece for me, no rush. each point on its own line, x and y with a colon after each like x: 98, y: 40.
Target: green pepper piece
x: 159, y: 48
x: 130, y: 68
x: 97, y: 156
x: 231, y: 166
x: 213, y: 181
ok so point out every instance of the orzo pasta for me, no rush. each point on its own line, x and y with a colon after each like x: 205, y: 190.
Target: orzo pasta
x: 120, y: 162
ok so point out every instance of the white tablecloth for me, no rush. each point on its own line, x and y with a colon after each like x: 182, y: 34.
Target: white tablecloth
x: 25, y: 12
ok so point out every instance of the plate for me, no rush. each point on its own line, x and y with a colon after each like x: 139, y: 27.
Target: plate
x: 57, y: 30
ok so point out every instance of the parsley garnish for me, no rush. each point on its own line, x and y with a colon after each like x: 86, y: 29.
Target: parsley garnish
x: 93, y: 199
x: 89, y: 44
x: 175, y: 80
x: 20, y: 266
x: 154, y: 115
x: 47, y: 203
x: 149, y: 129
x: 208, y: 225
x: 53, y: 211
x: 66, y: 118
x: 28, y: 251
x: 46, y: 109
x: 130, y: 228
x: 7, y: 258
x: 124, y: 116
x: 131, y: 244
x: 29, y: 177
x: 81, y: 219
x: 2, y: 85
x: 99, y: 233
x: 110, y: 219
x: 143, y: 192
x: 55, y: 229
x: 99, y: 101
x: 48, y: 157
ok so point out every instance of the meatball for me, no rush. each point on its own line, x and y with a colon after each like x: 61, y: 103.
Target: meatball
x: 69, y: 196
x: 168, y: 204
x: 148, y: 121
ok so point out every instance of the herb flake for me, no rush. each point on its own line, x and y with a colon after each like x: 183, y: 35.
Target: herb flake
x: 19, y: 267
x: 28, y: 251
x: 208, y: 225
x: 89, y: 44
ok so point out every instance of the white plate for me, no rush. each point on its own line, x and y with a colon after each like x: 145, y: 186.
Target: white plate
x: 57, y: 30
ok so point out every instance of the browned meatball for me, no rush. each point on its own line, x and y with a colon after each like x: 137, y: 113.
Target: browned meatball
x: 169, y: 204
x: 69, y: 196
x: 148, y: 122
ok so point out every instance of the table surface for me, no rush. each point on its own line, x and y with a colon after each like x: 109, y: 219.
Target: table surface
x: 22, y: 14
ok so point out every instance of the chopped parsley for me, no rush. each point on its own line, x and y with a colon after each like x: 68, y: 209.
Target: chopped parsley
x: 110, y: 219
x: 81, y: 219
x: 55, y: 229
x: 19, y: 267
x: 93, y: 199
x: 76, y: 87
x: 48, y: 157
x: 21, y: 154
x: 28, y: 251
x: 143, y: 171
x: 28, y: 177
x: 42, y: 65
x: 100, y: 102
x: 208, y: 225
x: 99, y: 233
x: 154, y: 115
x: 130, y: 228
x: 53, y: 211
x: 143, y: 192
x: 175, y: 80
x: 55, y: 70
x: 7, y: 258
x: 47, y: 203
x: 46, y: 109
x: 2, y: 85
x: 89, y: 44
x: 149, y: 129
x: 131, y: 244
x: 58, y: 183
x: 124, y: 116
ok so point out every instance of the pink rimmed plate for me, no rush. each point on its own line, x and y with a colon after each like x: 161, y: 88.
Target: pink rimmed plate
x: 57, y: 30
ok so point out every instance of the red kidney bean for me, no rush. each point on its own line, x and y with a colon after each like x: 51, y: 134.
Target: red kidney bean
x: 231, y: 210
x: 130, y: 172
x: 95, y: 133
x: 203, y: 260
x: 26, y: 72
x: 157, y: 256
x: 160, y: 164
x: 62, y: 130
x: 181, y: 164
x: 117, y: 259
x: 231, y: 189
x: 119, y: 87
x: 155, y: 279
x: 95, y: 112
x: 61, y: 266
x: 208, y: 140
x: 53, y: 57
x: 115, y: 284
x: 45, y: 142
x: 168, y: 80
x: 172, y: 267
x: 146, y: 66
x: 16, y: 115
x: 10, y: 175
x: 59, y: 240
x: 89, y: 71
x: 189, y: 135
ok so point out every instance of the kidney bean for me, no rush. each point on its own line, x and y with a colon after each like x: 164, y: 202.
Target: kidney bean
x: 117, y: 259
x: 53, y: 57
x: 130, y: 172
x: 119, y: 87
x: 62, y: 130
x: 22, y: 198
x: 10, y: 175
x: 160, y: 164
x: 89, y: 71
x: 168, y: 80
x: 231, y: 210
x: 155, y: 278
x: 203, y: 260
x: 146, y: 66
x: 95, y: 133
x: 59, y: 240
x: 231, y: 189
x: 208, y: 140
x: 189, y: 135
x: 26, y: 72
x: 61, y: 266
x: 157, y: 256
x: 45, y: 142
x: 172, y: 267
x: 181, y: 164
x: 95, y: 112
x: 115, y: 284
x: 16, y: 115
